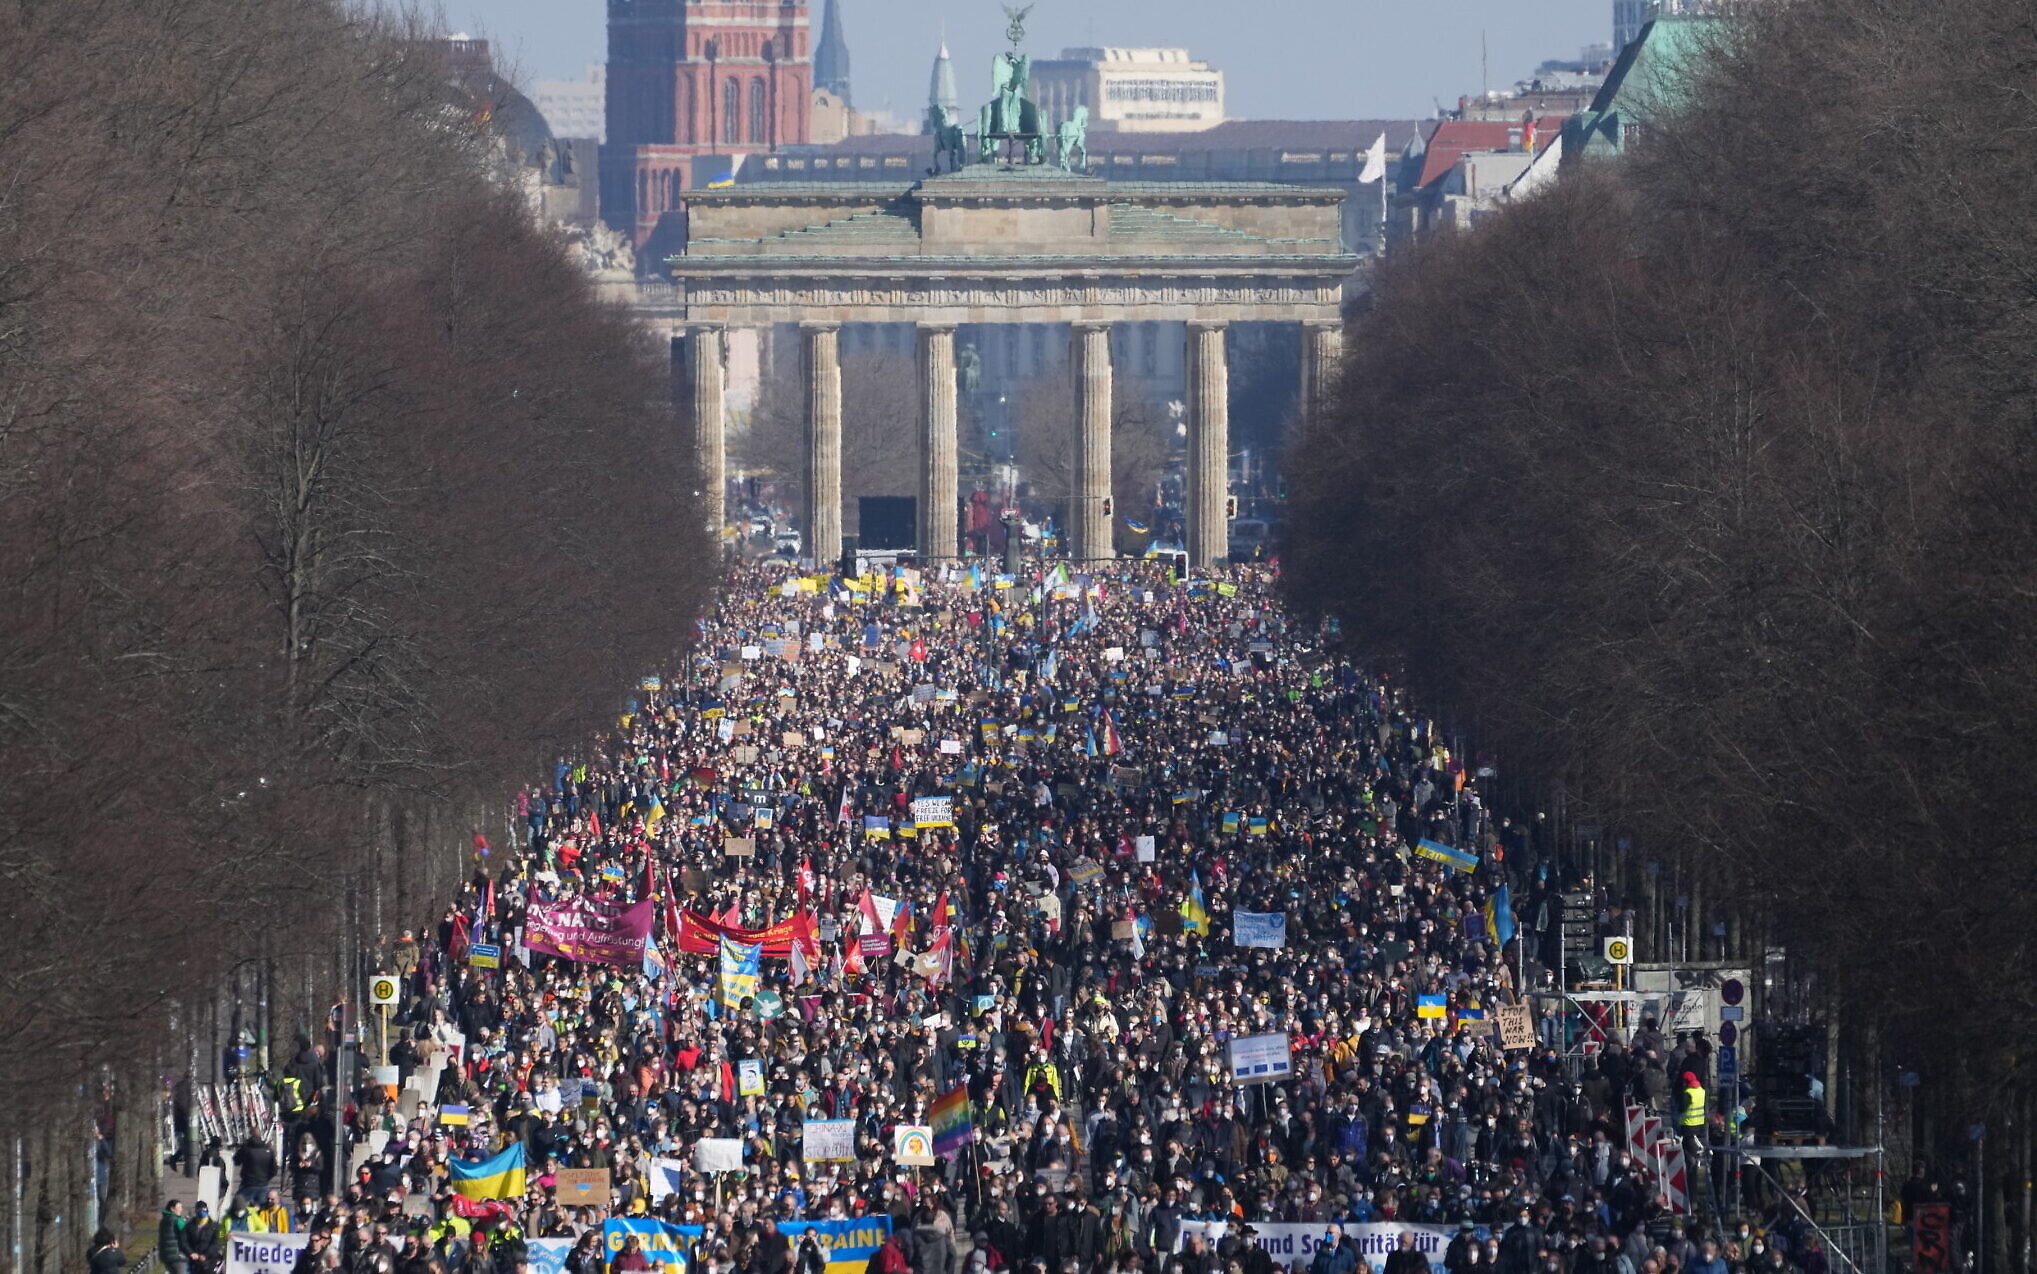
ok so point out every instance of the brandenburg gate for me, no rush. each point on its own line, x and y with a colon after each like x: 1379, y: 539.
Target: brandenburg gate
x: 1006, y: 236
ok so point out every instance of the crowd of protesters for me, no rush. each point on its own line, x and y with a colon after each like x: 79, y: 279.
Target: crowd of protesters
x: 1132, y: 759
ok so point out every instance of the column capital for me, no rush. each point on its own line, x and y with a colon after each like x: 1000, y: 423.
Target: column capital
x: 702, y: 325
x: 1322, y: 325
x: 925, y: 326
x: 1208, y: 325
x: 1091, y: 325
x: 820, y: 325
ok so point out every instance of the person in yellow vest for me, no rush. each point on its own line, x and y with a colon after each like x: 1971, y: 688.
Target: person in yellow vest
x: 1693, y: 1106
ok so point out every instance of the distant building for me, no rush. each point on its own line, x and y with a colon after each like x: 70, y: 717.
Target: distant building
x: 1648, y: 78
x: 575, y: 108
x: 693, y: 86
x: 1132, y: 90
x: 553, y: 174
x: 1461, y: 168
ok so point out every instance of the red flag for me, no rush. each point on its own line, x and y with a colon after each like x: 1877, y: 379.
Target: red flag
x: 868, y: 906
x: 805, y: 878
x: 901, y: 922
x: 917, y: 652
x: 943, y: 914
x: 733, y: 917
x: 593, y: 821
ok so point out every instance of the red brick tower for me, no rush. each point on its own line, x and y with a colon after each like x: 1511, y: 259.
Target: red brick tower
x: 691, y: 83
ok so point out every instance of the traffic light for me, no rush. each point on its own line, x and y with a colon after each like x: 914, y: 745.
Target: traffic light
x: 1107, y: 507
x: 1230, y: 506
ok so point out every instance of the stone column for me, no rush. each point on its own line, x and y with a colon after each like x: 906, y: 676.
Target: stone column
x: 938, y: 534
x: 706, y: 367
x: 1091, y: 530
x: 822, y: 349
x: 1209, y: 443
x: 1322, y: 353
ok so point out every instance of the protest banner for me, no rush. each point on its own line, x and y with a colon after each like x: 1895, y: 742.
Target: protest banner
x: 548, y: 1256
x: 933, y: 811
x: 739, y: 846
x: 1144, y: 845
x: 828, y: 1140
x: 263, y: 1253
x: 663, y: 1245
x: 590, y: 929
x: 1291, y: 1242
x: 849, y: 1244
x: 718, y: 1154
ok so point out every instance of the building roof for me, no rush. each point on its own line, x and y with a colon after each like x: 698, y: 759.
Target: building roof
x: 1650, y: 77
x: 1456, y: 138
x: 1236, y: 134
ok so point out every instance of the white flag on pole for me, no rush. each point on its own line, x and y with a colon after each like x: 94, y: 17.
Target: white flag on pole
x: 1375, y: 161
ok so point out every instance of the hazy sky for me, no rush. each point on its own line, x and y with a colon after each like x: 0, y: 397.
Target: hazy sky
x: 1282, y: 59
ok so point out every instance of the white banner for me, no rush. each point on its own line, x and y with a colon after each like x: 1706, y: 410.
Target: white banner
x: 263, y: 1253
x: 1287, y: 1243
x: 718, y: 1154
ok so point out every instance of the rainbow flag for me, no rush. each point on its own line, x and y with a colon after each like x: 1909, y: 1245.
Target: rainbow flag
x: 952, y: 1127
x: 498, y: 1177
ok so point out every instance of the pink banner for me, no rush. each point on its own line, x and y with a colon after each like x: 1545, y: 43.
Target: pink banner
x: 591, y: 930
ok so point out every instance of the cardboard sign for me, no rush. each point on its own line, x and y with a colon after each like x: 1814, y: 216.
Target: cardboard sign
x: 912, y: 738
x: 582, y: 1186
x: 792, y: 738
x: 745, y: 755
x: 1122, y: 930
x: 739, y: 846
x: 1516, y: 1027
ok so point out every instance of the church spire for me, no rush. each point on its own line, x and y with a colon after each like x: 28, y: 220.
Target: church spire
x: 831, y: 55
x: 941, y: 88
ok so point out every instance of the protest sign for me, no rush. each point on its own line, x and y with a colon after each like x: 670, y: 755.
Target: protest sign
x: 913, y: 1144
x: 828, y: 1140
x: 577, y: 1186
x: 718, y: 1154
x: 1516, y: 1027
x: 1261, y: 1059
x: 739, y: 846
x: 1266, y: 929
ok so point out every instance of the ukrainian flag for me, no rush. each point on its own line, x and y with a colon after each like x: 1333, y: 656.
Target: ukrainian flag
x: 1194, y: 915
x: 1499, y: 917
x: 723, y: 178
x: 739, y: 971
x: 1431, y: 1006
x: 657, y: 812
x: 499, y: 1177
x: 455, y: 1115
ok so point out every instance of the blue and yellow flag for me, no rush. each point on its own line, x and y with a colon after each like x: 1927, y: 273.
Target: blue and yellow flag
x: 497, y: 1177
x: 1194, y: 915
x: 1499, y: 917
x: 739, y: 970
x: 1431, y: 1006
x: 1437, y: 851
